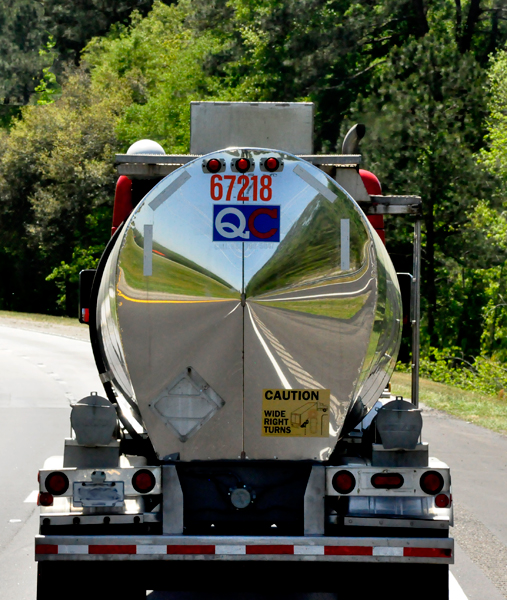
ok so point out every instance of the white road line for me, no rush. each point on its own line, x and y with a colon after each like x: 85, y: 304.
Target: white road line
x: 314, y: 296
x: 32, y: 496
x: 230, y: 313
x: 279, y: 372
x: 455, y: 590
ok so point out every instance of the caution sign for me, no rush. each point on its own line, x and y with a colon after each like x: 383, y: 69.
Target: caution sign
x: 295, y: 413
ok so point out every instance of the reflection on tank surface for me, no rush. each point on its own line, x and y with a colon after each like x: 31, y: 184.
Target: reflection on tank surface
x: 172, y: 274
x: 201, y: 328
x: 313, y: 302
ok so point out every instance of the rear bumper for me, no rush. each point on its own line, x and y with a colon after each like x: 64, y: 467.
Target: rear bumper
x: 236, y: 548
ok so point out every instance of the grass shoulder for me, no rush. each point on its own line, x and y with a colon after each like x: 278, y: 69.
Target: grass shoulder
x: 475, y: 407
x: 49, y: 319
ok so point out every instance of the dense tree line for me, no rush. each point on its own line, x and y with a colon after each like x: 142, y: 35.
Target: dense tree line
x: 429, y: 79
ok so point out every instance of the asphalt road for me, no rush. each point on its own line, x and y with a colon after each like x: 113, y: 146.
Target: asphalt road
x: 41, y: 373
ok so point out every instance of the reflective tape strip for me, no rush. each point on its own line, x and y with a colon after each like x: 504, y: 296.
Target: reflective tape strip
x: 348, y: 550
x: 345, y: 244
x: 271, y: 549
x: 309, y: 550
x: 387, y: 551
x: 74, y: 549
x: 46, y: 549
x: 152, y: 549
x: 253, y: 549
x: 314, y: 183
x: 188, y: 549
x: 148, y: 251
x: 428, y: 552
x: 230, y: 549
x: 112, y: 549
x: 105, y: 377
x: 169, y: 190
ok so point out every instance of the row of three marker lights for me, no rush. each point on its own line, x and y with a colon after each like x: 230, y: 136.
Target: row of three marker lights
x: 243, y: 165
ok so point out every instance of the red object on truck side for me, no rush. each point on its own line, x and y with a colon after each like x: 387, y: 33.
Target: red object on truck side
x: 122, y: 202
x: 373, y: 187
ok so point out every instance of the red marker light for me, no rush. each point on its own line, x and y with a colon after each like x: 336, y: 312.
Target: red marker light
x: 143, y: 481
x: 431, y: 482
x: 272, y: 164
x: 387, y: 481
x: 442, y: 501
x: 344, y: 482
x: 57, y: 483
x: 213, y: 165
x: 44, y: 499
x: 243, y: 164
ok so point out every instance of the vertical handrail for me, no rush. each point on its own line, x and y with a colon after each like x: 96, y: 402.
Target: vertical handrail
x: 415, y: 311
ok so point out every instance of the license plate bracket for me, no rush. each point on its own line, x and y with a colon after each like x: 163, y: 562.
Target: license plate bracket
x: 91, y: 495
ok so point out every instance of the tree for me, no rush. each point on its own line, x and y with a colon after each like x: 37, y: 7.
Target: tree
x: 156, y: 63
x: 21, y: 37
x: 56, y: 187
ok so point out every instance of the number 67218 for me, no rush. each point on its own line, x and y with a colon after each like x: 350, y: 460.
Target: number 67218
x: 250, y: 187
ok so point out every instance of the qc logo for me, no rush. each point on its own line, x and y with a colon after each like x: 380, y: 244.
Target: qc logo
x: 242, y: 223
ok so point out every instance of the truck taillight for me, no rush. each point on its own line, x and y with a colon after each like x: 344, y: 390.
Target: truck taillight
x: 432, y: 482
x: 442, y: 501
x: 57, y: 483
x: 343, y: 482
x: 143, y: 481
x: 45, y: 499
x: 387, y: 481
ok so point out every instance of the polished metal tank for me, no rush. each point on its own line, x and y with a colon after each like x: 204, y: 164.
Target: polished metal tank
x: 247, y: 314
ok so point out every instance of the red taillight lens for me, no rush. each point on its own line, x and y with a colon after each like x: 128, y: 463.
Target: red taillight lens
x: 387, y: 481
x: 44, y: 499
x: 57, y: 483
x: 272, y: 164
x: 243, y: 164
x: 213, y: 165
x: 442, y: 501
x: 343, y: 482
x: 143, y: 481
x: 431, y: 482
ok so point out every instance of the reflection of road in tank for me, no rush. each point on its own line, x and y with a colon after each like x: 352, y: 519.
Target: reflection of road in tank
x: 300, y: 375
x: 330, y: 350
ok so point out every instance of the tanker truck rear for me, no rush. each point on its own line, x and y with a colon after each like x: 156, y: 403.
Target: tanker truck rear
x: 245, y: 320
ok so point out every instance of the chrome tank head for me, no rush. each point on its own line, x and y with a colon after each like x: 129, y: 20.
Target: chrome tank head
x: 248, y: 306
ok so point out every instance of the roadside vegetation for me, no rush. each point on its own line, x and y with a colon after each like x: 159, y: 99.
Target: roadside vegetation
x: 475, y: 407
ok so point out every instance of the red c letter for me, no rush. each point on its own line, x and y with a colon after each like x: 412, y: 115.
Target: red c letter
x: 271, y: 212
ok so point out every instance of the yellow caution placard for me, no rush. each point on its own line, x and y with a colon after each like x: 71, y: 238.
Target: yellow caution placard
x: 295, y: 413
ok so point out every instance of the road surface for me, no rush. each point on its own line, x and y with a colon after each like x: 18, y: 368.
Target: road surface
x: 42, y: 373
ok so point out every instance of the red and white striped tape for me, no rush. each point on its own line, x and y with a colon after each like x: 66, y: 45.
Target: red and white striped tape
x: 230, y: 549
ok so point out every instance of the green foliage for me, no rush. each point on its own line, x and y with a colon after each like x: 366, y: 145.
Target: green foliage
x: 447, y: 365
x: 73, y: 24
x: 156, y: 63
x: 66, y: 275
x: 48, y: 89
x: 56, y: 187
x: 424, y: 123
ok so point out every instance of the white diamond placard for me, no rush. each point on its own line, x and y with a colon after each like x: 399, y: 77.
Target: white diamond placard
x: 186, y: 404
